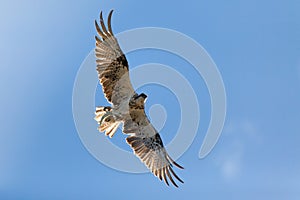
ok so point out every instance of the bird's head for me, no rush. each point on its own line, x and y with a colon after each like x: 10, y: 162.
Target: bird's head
x: 142, y: 96
x: 138, y: 101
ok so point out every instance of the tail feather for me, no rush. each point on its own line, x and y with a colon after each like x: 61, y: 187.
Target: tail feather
x: 106, y: 123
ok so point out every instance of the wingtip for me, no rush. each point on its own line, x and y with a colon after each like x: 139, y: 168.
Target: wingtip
x: 175, y: 163
x: 101, y: 17
x: 175, y: 175
x: 170, y: 177
x: 109, y: 22
x: 97, y: 26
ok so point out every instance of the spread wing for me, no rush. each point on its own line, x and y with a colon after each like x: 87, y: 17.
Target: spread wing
x: 148, y: 146
x: 112, y: 65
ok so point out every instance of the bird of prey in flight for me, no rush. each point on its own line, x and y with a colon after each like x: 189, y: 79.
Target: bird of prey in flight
x: 127, y: 106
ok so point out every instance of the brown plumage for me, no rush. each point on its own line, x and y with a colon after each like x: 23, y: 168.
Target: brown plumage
x: 127, y: 106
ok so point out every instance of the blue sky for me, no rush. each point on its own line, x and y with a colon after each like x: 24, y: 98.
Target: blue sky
x: 256, y: 47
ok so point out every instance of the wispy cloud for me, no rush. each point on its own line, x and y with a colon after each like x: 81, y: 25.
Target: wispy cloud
x: 231, y: 168
x: 230, y: 161
x: 237, y: 136
x: 244, y: 130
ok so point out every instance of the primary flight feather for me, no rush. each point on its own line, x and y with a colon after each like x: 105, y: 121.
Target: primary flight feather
x: 127, y: 106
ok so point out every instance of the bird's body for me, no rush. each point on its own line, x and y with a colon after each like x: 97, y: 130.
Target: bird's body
x: 127, y: 106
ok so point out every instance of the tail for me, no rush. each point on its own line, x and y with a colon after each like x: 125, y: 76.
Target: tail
x: 106, y: 121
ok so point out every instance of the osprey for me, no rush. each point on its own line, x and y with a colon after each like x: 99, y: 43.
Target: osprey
x: 127, y: 106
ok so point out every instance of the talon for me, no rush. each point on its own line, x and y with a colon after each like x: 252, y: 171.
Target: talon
x: 106, y: 108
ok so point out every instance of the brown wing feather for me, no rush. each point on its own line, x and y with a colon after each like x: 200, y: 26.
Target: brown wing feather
x: 148, y: 147
x: 112, y: 65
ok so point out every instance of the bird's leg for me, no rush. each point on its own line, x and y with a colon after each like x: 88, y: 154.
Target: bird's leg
x: 104, y: 116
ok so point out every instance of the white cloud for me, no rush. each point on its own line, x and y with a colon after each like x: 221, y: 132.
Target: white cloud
x: 237, y: 136
x: 231, y: 169
x: 230, y: 163
x: 244, y: 130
